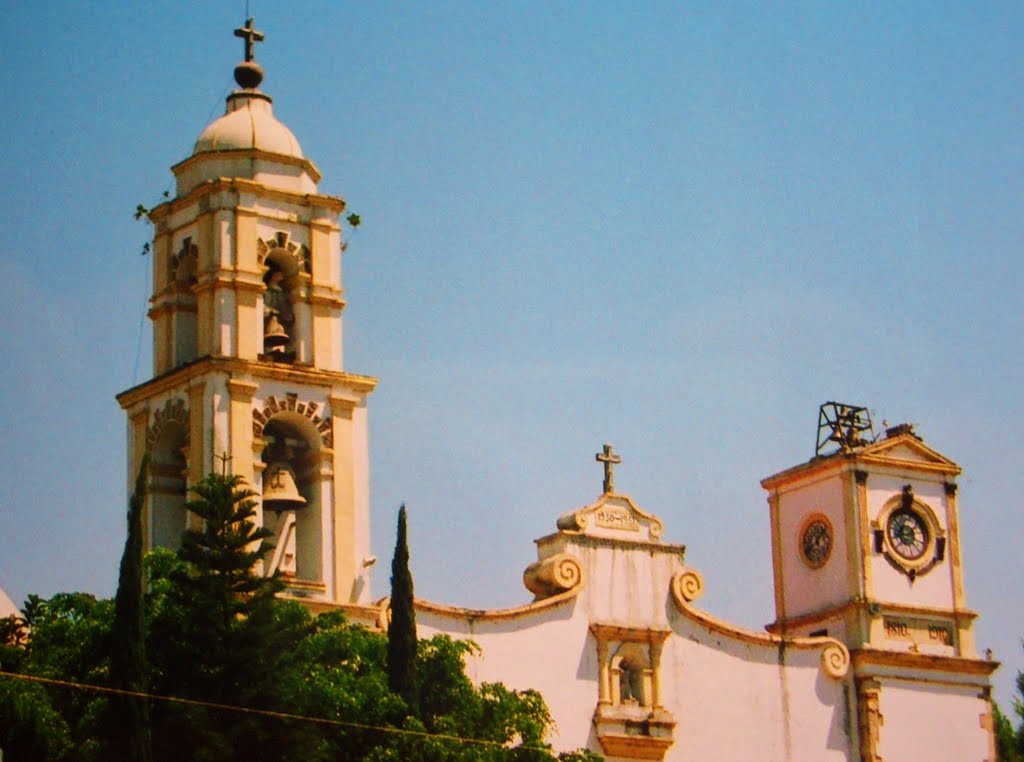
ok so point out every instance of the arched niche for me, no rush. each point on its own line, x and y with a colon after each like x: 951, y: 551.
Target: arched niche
x: 631, y: 675
x: 167, y: 443
x: 292, y: 439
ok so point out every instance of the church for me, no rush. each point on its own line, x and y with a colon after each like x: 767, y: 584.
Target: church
x: 871, y: 655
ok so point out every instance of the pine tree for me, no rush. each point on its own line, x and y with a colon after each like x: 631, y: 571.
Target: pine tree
x: 402, y: 627
x: 127, y: 655
x: 216, y: 634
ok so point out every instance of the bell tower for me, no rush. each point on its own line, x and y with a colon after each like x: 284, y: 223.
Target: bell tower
x: 866, y: 549
x: 247, y: 309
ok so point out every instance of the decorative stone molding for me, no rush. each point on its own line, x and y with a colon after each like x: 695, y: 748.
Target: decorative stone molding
x: 261, y: 416
x: 173, y: 411
x: 869, y: 718
x: 296, y: 255
x: 613, y: 516
x: 553, y: 575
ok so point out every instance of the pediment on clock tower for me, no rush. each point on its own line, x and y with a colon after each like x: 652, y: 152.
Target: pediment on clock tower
x: 907, y: 449
x: 613, y: 516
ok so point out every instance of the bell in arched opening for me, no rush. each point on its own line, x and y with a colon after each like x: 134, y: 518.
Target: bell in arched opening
x: 274, y: 335
x: 279, y: 490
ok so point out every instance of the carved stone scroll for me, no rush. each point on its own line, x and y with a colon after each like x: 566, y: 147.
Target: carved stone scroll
x: 553, y: 575
x: 689, y: 585
x: 835, y: 660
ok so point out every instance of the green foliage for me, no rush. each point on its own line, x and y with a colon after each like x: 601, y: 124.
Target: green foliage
x: 13, y: 631
x: 1010, y: 739
x: 70, y: 641
x: 401, y: 663
x: 131, y: 739
x: 215, y: 631
x: 1007, y: 739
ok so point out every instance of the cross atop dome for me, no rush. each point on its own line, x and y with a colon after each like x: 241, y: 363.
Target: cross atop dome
x: 251, y: 36
x: 249, y: 74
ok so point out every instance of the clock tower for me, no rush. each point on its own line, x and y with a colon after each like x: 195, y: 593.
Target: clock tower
x: 248, y: 371
x: 866, y: 549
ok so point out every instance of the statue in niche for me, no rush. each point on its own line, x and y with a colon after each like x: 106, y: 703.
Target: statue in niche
x: 278, y: 316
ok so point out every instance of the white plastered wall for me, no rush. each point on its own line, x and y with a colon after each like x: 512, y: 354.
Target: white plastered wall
x: 930, y: 722
x: 809, y: 590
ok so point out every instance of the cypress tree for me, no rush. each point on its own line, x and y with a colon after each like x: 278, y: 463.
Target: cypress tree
x: 402, y: 627
x: 127, y: 640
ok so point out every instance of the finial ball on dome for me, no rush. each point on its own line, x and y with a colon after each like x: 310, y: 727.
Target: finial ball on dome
x: 249, y: 74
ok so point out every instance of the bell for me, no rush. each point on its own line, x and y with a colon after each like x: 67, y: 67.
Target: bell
x: 279, y: 490
x: 273, y: 333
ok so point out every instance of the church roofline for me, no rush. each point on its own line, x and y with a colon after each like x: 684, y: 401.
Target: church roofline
x: 173, y: 379
x: 493, y: 615
x: 688, y: 586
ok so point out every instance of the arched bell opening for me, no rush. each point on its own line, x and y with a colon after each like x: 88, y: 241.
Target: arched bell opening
x: 292, y: 496
x: 283, y: 312
x: 168, y: 486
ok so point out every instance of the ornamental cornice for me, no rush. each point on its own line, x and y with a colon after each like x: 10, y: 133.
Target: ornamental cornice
x: 626, y: 633
x: 864, y: 659
x: 874, y: 608
x: 302, y: 375
x: 582, y: 539
x: 229, y: 279
x: 877, y: 455
x: 334, y: 205
x: 247, y: 153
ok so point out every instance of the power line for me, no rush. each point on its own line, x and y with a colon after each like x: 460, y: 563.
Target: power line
x: 261, y: 712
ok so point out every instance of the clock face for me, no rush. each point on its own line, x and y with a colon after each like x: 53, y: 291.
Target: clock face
x: 816, y: 543
x: 908, y: 534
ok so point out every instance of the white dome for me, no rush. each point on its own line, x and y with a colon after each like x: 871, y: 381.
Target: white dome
x: 248, y: 124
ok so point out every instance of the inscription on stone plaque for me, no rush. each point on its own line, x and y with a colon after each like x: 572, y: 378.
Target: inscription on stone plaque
x: 617, y: 518
x: 918, y: 632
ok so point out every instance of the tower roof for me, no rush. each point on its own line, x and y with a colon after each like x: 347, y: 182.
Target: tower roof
x: 248, y: 122
x: 248, y: 141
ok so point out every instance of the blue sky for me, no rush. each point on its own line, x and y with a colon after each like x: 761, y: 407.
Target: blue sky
x: 675, y: 227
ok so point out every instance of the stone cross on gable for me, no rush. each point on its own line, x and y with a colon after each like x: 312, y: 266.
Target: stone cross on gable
x: 251, y: 36
x: 609, y: 459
